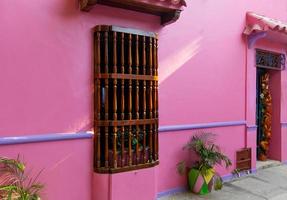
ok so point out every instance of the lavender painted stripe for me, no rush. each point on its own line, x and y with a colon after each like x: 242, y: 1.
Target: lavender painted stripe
x: 200, y: 126
x: 171, y: 192
x: 284, y: 124
x: 84, y: 135
x: 44, y: 138
x: 226, y: 178
x: 251, y: 127
x: 230, y: 177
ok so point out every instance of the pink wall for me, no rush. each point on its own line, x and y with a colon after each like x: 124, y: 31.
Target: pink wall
x: 46, y: 59
x: 208, y: 64
x: 275, y: 89
x: 46, y: 76
x: 137, y: 184
x: 207, y: 61
x: 46, y: 63
x: 67, y: 166
x: 172, y: 153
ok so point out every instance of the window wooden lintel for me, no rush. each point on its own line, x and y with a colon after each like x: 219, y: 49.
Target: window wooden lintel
x: 169, y: 10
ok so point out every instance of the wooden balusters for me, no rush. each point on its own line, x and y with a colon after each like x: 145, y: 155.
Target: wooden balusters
x: 122, y: 53
x: 137, y: 81
x: 97, y: 141
x: 106, y: 144
x: 130, y: 96
x: 150, y: 142
x: 123, y: 71
x: 115, y: 103
x: 130, y: 145
x: 144, y: 73
x: 106, y: 94
x: 115, y: 152
x: 130, y: 53
x: 144, y: 95
x: 130, y: 81
x: 155, y: 82
x: 122, y: 114
x: 123, y: 145
x: 149, y: 94
x: 126, y: 102
x: 150, y: 56
x: 155, y: 98
x: 156, y: 141
x: 137, y: 95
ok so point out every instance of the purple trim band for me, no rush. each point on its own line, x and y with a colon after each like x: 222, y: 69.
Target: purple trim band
x: 171, y: 192
x: 200, y: 126
x: 230, y: 177
x: 85, y: 135
x: 251, y: 127
x: 225, y: 178
x: 44, y: 138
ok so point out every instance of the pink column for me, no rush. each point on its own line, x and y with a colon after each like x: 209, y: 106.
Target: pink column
x: 250, y: 113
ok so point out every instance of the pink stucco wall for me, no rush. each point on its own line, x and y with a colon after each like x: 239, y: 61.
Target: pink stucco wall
x: 46, y: 63
x: 169, y: 157
x: 66, y: 167
x: 46, y: 59
x: 46, y: 80
x: 275, y: 89
x: 137, y: 184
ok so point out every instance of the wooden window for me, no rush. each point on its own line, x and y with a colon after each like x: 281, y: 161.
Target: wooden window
x: 126, y: 99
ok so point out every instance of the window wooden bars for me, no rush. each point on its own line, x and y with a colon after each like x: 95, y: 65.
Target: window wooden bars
x: 126, y: 99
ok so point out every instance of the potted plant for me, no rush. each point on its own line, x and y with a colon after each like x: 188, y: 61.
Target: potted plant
x: 202, y: 175
x: 15, y: 184
x: 123, y: 157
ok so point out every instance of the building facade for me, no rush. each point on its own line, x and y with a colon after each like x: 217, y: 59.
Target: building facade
x: 211, y: 67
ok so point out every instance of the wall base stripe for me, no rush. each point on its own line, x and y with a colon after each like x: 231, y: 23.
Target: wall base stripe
x: 183, y: 127
x: 225, y: 178
x: 172, y: 191
x: 44, y: 138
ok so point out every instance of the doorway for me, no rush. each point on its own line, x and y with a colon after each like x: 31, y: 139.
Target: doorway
x: 263, y: 114
x: 268, y: 89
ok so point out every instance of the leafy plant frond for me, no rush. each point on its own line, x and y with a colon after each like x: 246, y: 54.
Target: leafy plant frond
x: 218, y: 183
x: 208, y: 153
x: 15, y: 184
x: 181, y: 168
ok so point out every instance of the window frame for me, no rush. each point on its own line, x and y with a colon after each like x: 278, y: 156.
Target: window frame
x: 126, y: 99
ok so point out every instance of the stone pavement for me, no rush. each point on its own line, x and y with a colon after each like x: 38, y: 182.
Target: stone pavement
x: 266, y: 184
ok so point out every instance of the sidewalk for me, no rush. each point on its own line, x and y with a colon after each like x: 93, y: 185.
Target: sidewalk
x: 266, y: 184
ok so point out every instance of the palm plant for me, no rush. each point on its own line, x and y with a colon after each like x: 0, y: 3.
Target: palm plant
x: 208, y: 155
x: 15, y: 184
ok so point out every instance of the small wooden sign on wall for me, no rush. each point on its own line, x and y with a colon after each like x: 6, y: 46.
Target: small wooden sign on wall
x: 243, y: 159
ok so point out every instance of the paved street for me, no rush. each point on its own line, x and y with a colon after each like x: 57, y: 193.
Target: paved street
x: 266, y: 184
